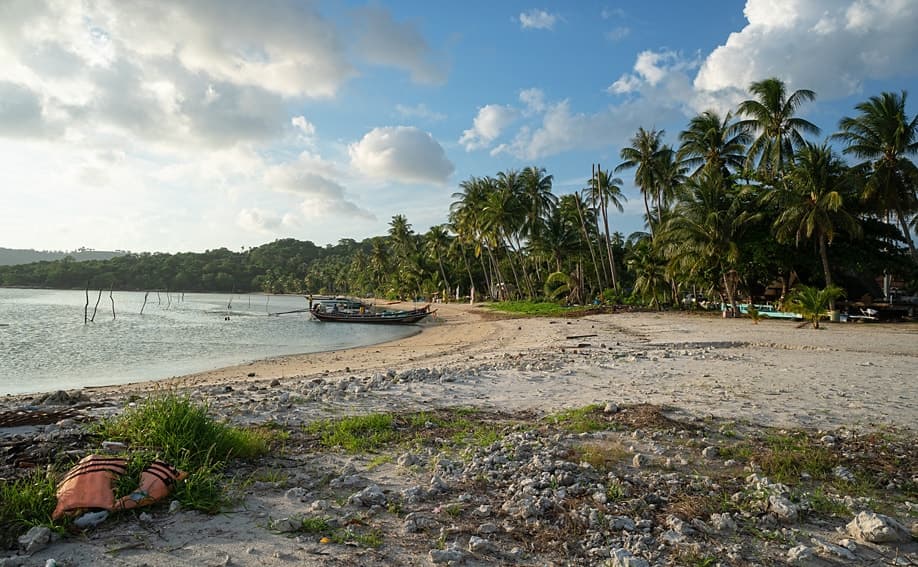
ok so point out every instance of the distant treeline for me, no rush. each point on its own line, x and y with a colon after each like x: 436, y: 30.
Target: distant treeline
x: 12, y: 256
x: 280, y: 266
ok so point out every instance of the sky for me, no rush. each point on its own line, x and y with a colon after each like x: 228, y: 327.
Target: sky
x: 194, y: 125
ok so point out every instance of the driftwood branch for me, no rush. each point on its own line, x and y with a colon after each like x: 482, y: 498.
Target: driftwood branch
x: 147, y: 294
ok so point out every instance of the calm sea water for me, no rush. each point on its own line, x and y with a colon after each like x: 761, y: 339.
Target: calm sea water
x: 45, y: 346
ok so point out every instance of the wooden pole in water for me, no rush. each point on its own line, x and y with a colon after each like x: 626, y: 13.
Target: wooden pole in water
x: 144, y: 302
x: 94, y: 309
x: 86, y: 307
x: 110, y: 290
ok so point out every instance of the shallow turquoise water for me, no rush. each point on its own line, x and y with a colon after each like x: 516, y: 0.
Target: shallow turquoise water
x: 45, y: 346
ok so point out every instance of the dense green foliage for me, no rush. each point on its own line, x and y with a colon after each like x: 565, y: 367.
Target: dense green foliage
x: 744, y: 203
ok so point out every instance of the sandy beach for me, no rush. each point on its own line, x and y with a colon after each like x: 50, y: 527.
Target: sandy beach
x: 773, y: 373
x: 708, y: 374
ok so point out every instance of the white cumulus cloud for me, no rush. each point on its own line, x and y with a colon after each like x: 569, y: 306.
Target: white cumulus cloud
x: 401, y: 154
x: 491, y: 120
x: 829, y: 46
x: 538, y: 19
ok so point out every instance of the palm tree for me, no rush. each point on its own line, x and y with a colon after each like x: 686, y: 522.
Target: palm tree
x: 643, y: 156
x: 702, y: 233
x: 644, y: 261
x: 770, y: 118
x: 712, y: 143
x: 603, y: 191
x: 813, y: 303
x: 812, y: 202
x: 537, y: 198
x: 437, y: 239
x: 884, y: 136
x: 558, y: 240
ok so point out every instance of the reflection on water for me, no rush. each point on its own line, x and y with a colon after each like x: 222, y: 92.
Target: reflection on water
x: 45, y: 346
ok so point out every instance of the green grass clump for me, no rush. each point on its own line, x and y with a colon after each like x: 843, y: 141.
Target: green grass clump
x: 790, y: 455
x: 356, y: 434
x: 176, y: 430
x: 183, y: 433
x: 346, y: 535
x: 586, y: 419
x: 24, y: 503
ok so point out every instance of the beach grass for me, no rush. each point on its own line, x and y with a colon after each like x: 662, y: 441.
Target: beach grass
x: 356, y: 434
x: 180, y: 432
x: 586, y: 419
x: 24, y: 503
x: 351, y: 535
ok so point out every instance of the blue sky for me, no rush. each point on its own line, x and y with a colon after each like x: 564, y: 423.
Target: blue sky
x: 185, y: 126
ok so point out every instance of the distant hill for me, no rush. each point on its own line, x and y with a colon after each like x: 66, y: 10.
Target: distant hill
x: 13, y: 256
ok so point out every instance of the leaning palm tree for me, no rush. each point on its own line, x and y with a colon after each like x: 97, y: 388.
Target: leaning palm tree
x: 771, y: 119
x: 712, y: 143
x: 605, y: 191
x: 812, y: 202
x: 643, y: 155
x: 884, y: 136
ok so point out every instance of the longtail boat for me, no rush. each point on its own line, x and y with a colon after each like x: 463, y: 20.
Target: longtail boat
x: 383, y: 317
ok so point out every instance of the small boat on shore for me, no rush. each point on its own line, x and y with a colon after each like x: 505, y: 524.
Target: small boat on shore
x: 368, y: 316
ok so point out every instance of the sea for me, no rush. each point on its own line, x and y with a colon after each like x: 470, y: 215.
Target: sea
x: 45, y: 345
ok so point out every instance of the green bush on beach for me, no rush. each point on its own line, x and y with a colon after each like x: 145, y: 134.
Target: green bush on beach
x: 176, y: 430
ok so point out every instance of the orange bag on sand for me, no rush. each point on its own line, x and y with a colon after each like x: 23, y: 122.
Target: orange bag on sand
x: 88, y: 485
x: 156, y: 482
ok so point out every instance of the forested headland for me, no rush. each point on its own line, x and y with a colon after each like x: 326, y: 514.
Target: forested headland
x: 737, y: 205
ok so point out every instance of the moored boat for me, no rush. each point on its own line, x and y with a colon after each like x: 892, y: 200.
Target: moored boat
x: 367, y: 316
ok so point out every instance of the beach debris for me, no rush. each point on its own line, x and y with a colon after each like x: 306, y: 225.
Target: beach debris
x: 156, y: 482
x: 623, y: 558
x: 88, y: 485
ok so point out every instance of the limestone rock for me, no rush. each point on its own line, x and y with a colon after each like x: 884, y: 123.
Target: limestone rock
x: 877, y: 528
x: 623, y: 558
x: 36, y: 538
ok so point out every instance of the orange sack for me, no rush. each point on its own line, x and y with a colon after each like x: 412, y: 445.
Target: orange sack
x: 88, y: 485
x: 156, y: 482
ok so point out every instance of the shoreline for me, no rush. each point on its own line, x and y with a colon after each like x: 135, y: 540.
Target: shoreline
x: 769, y: 374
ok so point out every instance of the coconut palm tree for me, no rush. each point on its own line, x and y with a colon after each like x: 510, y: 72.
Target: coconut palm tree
x: 812, y: 202
x: 712, y: 143
x: 883, y: 135
x: 437, y: 239
x: 643, y: 156
x: 605, y: 191
x: 702, y: 233
x: 537, y: 198
x: 770, y: 118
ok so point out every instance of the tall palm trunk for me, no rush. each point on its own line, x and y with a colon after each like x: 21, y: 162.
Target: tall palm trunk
x: 824, y: 256
x: 612, y: 268
x: 586, y: 236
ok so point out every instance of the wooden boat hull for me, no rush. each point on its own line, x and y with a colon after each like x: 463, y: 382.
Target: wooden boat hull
x: 392, y: 318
